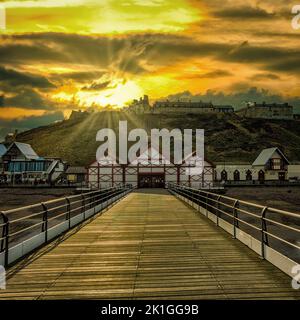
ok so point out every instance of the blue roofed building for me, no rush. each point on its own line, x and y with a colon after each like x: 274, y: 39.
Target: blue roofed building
x: 22, y: 165
x: 3, y: 149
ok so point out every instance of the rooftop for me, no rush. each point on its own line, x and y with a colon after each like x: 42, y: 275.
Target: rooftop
x: 26, y: 150
x: 265, y: 156
x: 2, y: 149
x: 76, y: 170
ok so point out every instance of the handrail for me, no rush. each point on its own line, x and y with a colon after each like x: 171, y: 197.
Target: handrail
x: 16, y: 230
x: 254, y: 216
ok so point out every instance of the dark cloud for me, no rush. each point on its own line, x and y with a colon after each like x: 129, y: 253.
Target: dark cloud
x: 136, y: 54
x: 215, y: 74
x: 244, y: 13
x: 16, y: 78
x: 27, y: 123
x: 28, y: 98
x: 264, y: 76
x: 97, y: 86
x: 20, y: 53
x: 248, y: 53
x: 269, y: 58
x: 81, y: 77
x: 289, y: 65
x: 118, y: 52
x: 132, y: 54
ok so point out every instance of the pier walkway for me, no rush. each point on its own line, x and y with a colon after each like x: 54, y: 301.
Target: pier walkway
x: 149, y: 245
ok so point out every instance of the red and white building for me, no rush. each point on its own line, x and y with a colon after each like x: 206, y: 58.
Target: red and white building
x: 145, y: 173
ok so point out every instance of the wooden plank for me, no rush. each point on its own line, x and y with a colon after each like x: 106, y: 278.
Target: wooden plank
x: 148, y: 246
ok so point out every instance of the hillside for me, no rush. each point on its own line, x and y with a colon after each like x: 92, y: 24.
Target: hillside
x: 228, y: 137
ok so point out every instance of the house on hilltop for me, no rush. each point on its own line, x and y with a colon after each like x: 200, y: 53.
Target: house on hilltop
x: 282, y: 111
x: 142, y: 106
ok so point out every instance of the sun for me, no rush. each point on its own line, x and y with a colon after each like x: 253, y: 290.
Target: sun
x: 117, y: 95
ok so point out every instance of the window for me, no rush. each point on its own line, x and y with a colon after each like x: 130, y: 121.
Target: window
x: 224, y: 175
x: 248, y: 175
x: 276, y: 164
x: 236, y: 175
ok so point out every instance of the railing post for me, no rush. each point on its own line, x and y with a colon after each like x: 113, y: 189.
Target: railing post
x: 45, y: 221
x: 83, y: 205
x: 5, y: 241
x: 2, y: 243
x: 198, y: 199
x: 68, y: 216
x: 263, y: 230
x: 236, y: 203
x: 206, y: 205
x: 218, y: 209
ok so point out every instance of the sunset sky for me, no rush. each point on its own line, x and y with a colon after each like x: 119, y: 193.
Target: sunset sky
x: 59, y: 55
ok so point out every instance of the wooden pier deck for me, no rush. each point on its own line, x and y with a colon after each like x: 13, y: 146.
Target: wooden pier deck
x: 150, y: 245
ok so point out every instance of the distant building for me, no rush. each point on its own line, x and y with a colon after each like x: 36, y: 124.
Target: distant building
x: 270, y: 165
x: 294, y: 172
x: 78, y: 115
x: 21, y: 165
x: 267, y: 111
x: 182, y: 106
x: 224, y: 109
x: 76, y: 175
x: 142, y: 106
x: 144, y: 173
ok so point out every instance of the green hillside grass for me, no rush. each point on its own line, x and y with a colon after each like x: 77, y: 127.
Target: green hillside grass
x: 228, y: 137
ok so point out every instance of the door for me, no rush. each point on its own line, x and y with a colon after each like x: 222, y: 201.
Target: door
x: 151, y: 181
x: 144, y: 181
x: 261, y: 176
x: 158, y: 181
x: 281, y: 176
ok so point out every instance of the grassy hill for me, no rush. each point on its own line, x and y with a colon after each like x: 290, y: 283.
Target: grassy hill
x: 228, y: 137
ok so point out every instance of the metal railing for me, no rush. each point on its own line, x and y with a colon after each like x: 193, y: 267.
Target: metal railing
x: 271, y: 183
x: 273, y: 228
x: 32, y: 226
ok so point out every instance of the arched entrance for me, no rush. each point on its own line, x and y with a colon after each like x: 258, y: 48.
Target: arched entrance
x: 224, y: 175
x: 249, y: 175
x: 261, y: 176
x: 236, y: 175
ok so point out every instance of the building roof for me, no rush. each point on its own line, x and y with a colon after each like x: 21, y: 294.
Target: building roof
x: 269, y: 105
x: 76, y: 170
x: 265, y: 156
x: 185, y: 104
x: 25, y: 149
x: 2, y: 149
